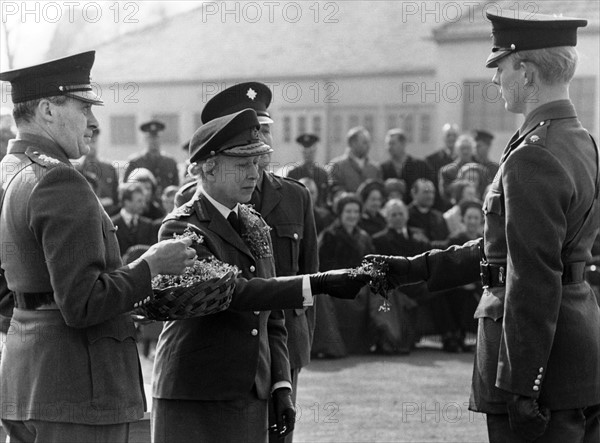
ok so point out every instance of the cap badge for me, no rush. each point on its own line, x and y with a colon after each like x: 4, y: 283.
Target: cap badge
x: 534, y: 138
x: 251, y: 94
x: 254, y: 133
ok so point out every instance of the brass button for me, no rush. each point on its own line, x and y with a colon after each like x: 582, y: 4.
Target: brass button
x: 539, y: 377
x: 295, y: 236
x: 536, y: 388
x: 256, y: 312
x: 541, y: 370
x: 252, y: 268
x: 537, y: 382
x: 254, y: 332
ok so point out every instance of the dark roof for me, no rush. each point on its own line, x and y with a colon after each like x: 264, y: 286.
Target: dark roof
x: 476, y: 26
x: 363, y: 37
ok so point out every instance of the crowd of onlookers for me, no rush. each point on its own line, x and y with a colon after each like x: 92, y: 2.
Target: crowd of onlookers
x: 404, y: 206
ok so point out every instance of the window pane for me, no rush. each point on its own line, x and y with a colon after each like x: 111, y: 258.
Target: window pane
x: 317, y: 125
x: 425, y: 128
x: 122, y: 130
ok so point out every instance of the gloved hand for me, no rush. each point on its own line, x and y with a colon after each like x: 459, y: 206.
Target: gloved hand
x: 285, y: 414
x: 339, y: 283
x: 398, y: 267
x: 526, y: 417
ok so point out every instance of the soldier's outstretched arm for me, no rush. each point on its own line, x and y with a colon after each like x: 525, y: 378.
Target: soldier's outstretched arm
x: 440, y: 269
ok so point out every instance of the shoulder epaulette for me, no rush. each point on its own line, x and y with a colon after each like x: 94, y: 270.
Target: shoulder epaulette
x: 182, y: 211
x: 41, y: 159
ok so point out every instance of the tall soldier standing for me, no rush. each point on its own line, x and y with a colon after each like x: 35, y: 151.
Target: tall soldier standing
x: 537, y: 366
x: 70, y: 371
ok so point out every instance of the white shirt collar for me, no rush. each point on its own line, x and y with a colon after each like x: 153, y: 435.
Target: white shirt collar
x: 127, y: 216
x: 224, y: 210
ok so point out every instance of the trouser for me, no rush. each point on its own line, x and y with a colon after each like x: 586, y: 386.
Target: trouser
x: 37, y: 431
x: 234, y: 421
x: 580, y: 425
x: 273, y: 438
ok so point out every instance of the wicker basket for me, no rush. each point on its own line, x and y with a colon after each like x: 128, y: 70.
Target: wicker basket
x: 202, y: 298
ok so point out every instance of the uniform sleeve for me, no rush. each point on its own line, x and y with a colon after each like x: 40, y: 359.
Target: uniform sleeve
x: 256, y: 294
x: 537, y: 196
x: 308, y: 261
x: 66, y: 219
x: 448, y: 268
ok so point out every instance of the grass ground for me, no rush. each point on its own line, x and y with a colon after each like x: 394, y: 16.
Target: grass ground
x: 418, y: 398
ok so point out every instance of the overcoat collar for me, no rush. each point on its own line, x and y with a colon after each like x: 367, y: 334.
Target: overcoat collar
x: 43, y: 144
x: 271, y: 194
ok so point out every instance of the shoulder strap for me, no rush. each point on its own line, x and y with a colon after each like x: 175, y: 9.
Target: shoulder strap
x: 588, y: 218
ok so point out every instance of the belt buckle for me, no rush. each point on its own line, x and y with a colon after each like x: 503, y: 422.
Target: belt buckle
x: 502, y: 275
x: 484, y: 274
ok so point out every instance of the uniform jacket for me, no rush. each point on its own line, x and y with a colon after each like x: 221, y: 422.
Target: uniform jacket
x: 163, y: 167
x: 80, y: 363
x: 144, y: 233
x: 318, y: 175
x: 534, y: 328
x: 221, y: 356
x: 346, y: 173
x: 287, y: 208
x: 107, y: 177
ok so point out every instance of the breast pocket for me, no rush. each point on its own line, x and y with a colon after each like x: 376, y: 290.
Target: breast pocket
x: 287, y: 248
x: 494, y: 203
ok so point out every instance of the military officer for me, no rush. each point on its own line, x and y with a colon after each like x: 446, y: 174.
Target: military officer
x: 309, y: 168
x: 214, y: 374
x: 105, y: 174
x: 162, y: 166
x: 537, y: 364
x: 286, y: 206
x: 70, y: 368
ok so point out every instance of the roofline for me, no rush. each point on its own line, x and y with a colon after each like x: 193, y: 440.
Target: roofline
x: 326, y: 77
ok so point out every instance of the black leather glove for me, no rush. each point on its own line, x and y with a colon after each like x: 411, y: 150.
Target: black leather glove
x: 339, y: 283
x: 526, y: 417
x: 285, y: 414
x: 398, y: 267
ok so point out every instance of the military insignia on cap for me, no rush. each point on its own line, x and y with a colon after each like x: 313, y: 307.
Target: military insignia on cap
x: 251, y: 94
x: 254, y: 133
x: 534, y: 139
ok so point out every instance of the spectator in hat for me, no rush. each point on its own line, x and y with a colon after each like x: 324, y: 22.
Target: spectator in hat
x: 213, y: 374
x: 537, y: 363
x: 352, y: 168
x: 372, y: 194
x: 461, y: 190
x: 287, y: 208
x: 75, y: 376
x: 309, y: 168
x: 107, y: 179
x: 163, y: 167
x: 395, y: 188
x: 402, y: 165
x: 483, y: 140
x: 153, y: 210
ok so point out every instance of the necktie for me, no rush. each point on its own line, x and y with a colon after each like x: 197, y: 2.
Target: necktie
x: 234, y: 221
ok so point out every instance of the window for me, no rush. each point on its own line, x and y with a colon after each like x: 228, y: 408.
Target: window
x: 425, y: 128
x: 317, y: 125
x: 392, y: 121
x: 353, y: 121
x: 170, y: 135
x: 483, y: 108
x: 583, y: 96
x: 337, y: 129
x: 287, y: 129
x: 301, y: 125
x: 409, y: 127
x: 122, y: 130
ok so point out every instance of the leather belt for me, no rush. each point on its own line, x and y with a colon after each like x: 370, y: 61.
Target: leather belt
x: 33, y: 300
x: 493, y: 275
